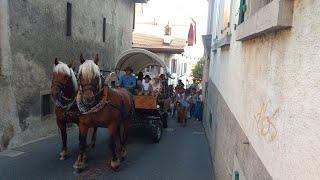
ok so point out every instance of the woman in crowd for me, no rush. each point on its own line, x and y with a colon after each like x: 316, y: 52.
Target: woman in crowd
x: 156, y: 86
x: 139, y: 83
x: 182, y: 105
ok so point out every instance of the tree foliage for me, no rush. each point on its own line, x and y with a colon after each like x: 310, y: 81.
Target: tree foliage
x: 197, y: 70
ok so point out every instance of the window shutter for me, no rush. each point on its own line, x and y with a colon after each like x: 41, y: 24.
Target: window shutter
x: 242, y: 11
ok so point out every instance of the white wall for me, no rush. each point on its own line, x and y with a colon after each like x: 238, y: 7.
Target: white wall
x: 272, y: 86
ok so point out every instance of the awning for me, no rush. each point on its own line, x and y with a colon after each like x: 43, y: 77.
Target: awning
x: 138, y: 59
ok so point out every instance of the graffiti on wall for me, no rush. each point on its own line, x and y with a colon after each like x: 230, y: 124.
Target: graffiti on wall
x: 265, y: 120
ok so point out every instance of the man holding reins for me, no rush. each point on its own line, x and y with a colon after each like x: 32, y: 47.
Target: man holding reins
x: 128, y: 81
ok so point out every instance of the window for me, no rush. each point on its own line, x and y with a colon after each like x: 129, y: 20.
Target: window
x: 69, y: 9
x: 226, y: 17
x: 134, y: 17
x: 47, y: 106
x: 104, y: 30
x: 259, y: 17
x: 236, y: 175
x: 242, y: 11
x: 184, y: 68
x: 210, y: 120
x: 223, y: 32
x: 173, y: 66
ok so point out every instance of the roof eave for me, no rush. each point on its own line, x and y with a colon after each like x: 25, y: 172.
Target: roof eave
x: 163, y: 50
x: 140, y: 1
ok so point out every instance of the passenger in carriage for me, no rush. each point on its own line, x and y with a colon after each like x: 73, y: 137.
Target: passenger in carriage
x: 146, y: 86
x: 128, y: 81
x: 139, y: 79
x: 139, y: 88
x: 156, y: 86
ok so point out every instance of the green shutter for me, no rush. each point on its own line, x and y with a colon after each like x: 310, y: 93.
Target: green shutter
x: 242, y: 10
x: 236, y: 175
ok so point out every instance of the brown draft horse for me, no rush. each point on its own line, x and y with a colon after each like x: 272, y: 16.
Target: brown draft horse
x: 113, y: 109
x: 63, y: 92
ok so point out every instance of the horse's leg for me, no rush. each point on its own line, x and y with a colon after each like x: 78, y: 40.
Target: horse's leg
x: 80, y: 163
x: 115, y: 162
x: 122, y: 151
x: 63, y: 130
x: 94, y: 137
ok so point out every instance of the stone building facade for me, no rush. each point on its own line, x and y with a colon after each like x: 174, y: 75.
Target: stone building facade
x: 262, y: 105
x: 32, y: 34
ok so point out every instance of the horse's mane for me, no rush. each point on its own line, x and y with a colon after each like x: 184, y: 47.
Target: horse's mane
x: 62, y: 68
x: 89, y: 70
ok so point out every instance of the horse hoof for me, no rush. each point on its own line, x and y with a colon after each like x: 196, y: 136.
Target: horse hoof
x: 115, y: 165
x: 78, y: 171
x: 85, y: 158
x: 79, y: 166
x: 115, y: 169
x: 63, y: 155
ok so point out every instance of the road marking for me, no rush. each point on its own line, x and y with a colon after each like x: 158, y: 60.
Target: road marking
x: 169, y: 129
x: 198, y: 132
x: 11, y: 153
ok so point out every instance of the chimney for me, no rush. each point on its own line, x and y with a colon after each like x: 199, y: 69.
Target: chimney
x: 167, y: 38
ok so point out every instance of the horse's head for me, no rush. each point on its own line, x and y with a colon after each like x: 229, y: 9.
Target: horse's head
x: 64, y: 82
x: 89, y: 76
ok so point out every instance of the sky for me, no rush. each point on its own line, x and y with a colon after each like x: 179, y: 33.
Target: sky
x: 176, y: 12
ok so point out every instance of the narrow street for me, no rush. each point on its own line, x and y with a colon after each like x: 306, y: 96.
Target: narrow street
x: 182, y: 153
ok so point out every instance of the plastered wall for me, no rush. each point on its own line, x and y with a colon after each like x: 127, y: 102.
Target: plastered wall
x: 271, y: 84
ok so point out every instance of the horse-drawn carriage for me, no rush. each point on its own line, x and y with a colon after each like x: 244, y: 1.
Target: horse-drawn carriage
x: 149, y: 110
x: 91, y: 102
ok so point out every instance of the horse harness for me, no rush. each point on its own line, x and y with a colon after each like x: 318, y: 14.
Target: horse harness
x: 61, y: 101
x: 101, y: 103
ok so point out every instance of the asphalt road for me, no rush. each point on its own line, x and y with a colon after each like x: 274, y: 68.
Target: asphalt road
x: 182, y: 154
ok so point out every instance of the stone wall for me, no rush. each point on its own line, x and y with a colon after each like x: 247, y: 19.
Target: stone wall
x: 37, y: 34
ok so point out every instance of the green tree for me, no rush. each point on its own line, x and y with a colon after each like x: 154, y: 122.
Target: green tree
x: 197, y: 70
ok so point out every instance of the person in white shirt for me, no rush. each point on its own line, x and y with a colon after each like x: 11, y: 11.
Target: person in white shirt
x: 146, y: 85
